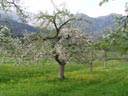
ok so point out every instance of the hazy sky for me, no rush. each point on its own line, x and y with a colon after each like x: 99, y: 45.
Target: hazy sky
x: 89, y: 7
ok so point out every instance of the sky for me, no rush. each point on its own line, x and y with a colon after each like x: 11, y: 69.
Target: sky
x: 88, y: 7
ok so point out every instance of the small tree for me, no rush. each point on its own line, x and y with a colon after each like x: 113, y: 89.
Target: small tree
x: 107, y: 44
x: 5, y: 39
x: 85, y: 52
x: 59, y: 20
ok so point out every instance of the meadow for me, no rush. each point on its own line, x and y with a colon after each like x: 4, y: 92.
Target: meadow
x: 41, y: 80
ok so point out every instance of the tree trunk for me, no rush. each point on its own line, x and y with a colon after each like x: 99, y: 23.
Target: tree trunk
x: 105, y: 63
x: 61, y: 71
x: 61, y: 67
x: 105, y: 60
x: 90, y: 65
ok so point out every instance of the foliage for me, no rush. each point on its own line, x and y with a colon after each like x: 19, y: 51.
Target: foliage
x: 64, y: 44
x: 5, y: 35
x: 60, y: 21
x: 122, y: 35
x: 9, y: 5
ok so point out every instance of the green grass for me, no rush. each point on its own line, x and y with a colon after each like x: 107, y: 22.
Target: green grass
x: 41, y: 80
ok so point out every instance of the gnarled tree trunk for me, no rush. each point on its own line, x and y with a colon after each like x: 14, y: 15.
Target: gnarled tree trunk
x: 61, y: 67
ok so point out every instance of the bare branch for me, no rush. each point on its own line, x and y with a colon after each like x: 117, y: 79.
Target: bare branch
x: 6, y: 6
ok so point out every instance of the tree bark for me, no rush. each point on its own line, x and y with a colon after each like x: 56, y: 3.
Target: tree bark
x: 105, y: 63
x: 90, y: 65
x: 105, y: 60
x: 61, y: 67
x: 61, y: 71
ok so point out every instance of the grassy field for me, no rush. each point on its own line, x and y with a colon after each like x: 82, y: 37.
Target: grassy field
x: 41, y: 80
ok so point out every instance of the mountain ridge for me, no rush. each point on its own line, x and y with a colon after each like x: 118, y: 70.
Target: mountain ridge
x: 98, y: 23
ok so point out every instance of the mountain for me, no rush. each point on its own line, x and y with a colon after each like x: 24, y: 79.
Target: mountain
x: 14, y: 23
x: 97, y: 26
x: 18, y: 27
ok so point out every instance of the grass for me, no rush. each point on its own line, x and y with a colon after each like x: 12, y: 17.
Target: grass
x: 41, y: 80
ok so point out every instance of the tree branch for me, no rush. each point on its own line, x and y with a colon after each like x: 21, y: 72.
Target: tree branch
x: 65, y: 23
x: 19, y: 10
